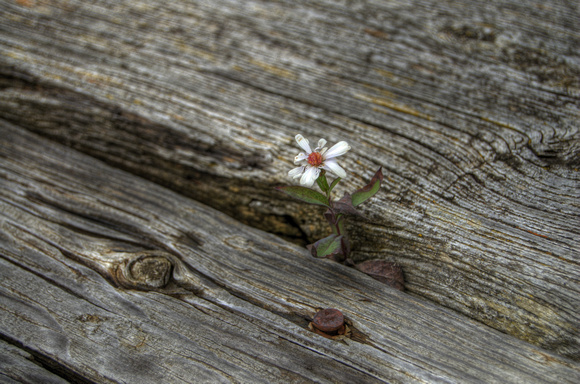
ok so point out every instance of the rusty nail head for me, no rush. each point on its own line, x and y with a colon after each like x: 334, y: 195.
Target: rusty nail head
x: 328, y: 320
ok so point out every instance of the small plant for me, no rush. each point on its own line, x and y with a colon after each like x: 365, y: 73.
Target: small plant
x: 313, y: 168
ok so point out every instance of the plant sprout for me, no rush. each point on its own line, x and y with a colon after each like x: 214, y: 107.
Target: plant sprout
x: 314, y: 165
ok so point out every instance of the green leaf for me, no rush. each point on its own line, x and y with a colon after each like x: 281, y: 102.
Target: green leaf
x: 333, y: 184
x: 327, y: 246
x: 369, y: 190
x: 307, y: 195
x: 322, y: 182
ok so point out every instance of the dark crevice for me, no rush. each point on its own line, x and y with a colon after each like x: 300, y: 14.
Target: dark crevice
x: 12, y: 78
x: 202, y: 186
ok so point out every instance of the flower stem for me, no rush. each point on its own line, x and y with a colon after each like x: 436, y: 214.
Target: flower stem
x: 335, y: 220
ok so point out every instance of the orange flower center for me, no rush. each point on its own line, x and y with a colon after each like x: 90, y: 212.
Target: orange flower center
x: 315, y: 159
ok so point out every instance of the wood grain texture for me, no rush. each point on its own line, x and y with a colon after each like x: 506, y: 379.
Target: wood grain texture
x: 471, y: 108
x: 111, y: 278
x: 18, y: 366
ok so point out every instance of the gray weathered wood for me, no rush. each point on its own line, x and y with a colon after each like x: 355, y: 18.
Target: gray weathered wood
x: 114, y: 279
x: 470, y: 107
x: 18, y: 366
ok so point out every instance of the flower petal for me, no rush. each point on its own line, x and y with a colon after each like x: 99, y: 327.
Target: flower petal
x: 303, y: 143
x: 321, y: 143
x: 332, y: 166
x: 309, y: 176
x: 301, y: 156
x: 337, y: 149
x: 296, y: 172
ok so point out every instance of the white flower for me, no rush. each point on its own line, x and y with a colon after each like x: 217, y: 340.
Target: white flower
x: 321, y: 158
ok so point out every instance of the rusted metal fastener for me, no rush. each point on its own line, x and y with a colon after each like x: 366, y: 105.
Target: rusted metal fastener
x: 329, y: 323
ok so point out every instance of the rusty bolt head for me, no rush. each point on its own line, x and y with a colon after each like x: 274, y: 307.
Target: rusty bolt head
x: 328, y: 320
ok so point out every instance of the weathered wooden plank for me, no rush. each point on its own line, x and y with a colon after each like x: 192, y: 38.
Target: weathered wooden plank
x: 115, y: 279
x: 18, y: 366
x: 471, y: 108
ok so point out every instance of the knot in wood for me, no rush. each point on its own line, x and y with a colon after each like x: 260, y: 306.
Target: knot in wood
x: 149, y: 271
